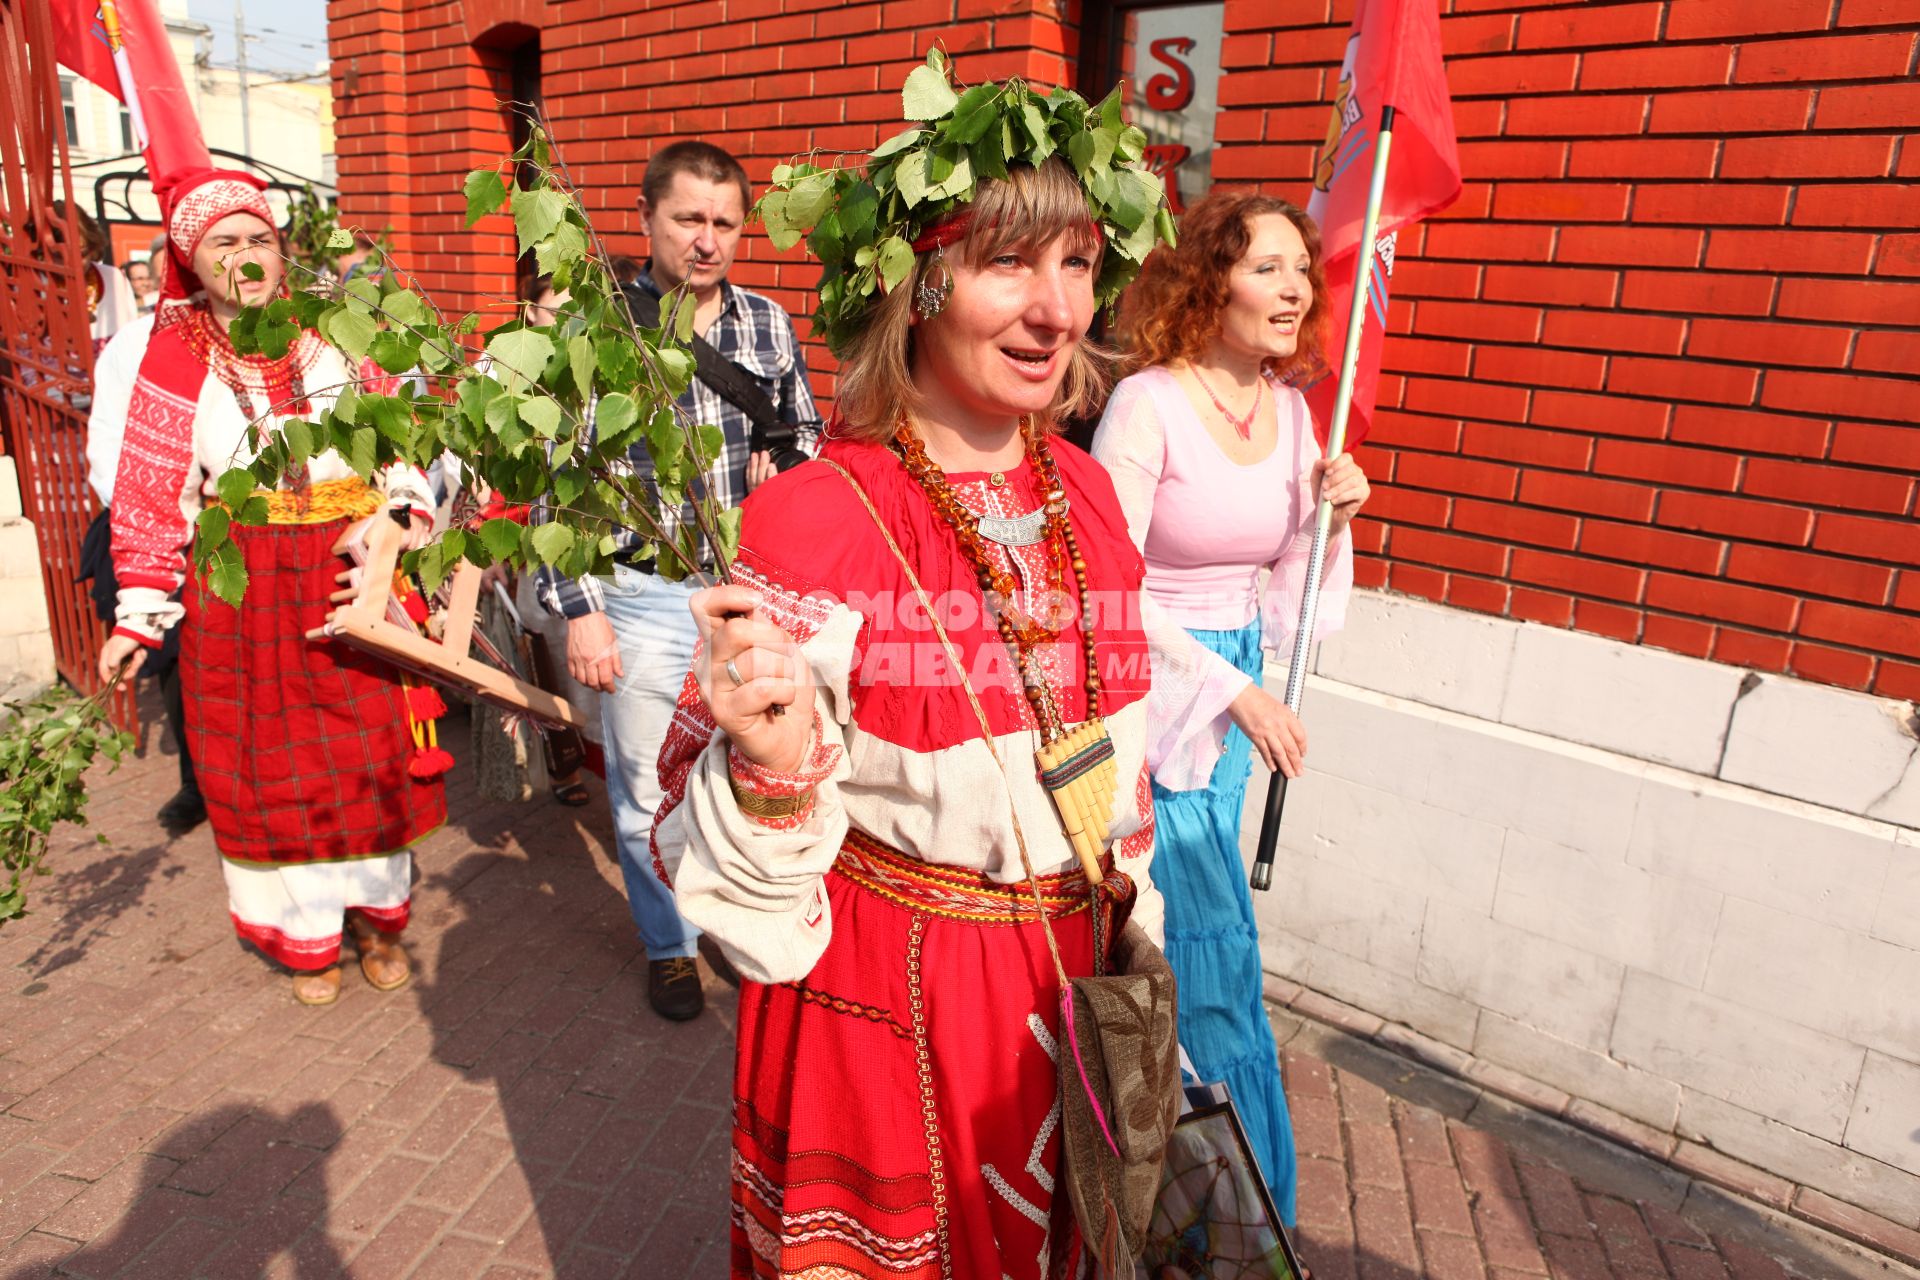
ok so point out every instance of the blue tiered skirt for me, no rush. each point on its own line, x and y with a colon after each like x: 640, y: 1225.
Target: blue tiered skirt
x: 1212, y: 942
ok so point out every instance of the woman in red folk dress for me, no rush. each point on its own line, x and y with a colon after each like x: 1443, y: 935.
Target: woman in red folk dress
x: 846, y: 834
x: 305, y: 750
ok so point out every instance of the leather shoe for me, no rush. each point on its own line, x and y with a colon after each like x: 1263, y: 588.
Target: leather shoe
x: 182, y: 813
x: 673, y: 988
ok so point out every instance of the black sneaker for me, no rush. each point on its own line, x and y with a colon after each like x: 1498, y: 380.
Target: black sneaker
x: 673, y: 988
x: 182, y: 813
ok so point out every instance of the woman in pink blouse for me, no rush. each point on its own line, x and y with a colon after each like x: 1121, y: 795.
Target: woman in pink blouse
x: 1217, y: 469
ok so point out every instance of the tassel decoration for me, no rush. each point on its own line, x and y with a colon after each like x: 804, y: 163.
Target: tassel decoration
x: 424, y: 702
x: 430, y: 764
x: 424, y: 706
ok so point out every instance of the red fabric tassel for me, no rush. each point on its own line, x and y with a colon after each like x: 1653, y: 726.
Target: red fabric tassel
x: 430, y: 763
x: 425, y: 703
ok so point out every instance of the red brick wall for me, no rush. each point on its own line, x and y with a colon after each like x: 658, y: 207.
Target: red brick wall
x: 1655, y: 369
x: 765, y: 79
x: 1652, y: 376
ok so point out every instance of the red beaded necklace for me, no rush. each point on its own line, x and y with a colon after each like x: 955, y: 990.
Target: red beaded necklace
x: 1076, y: 766
x: 1242, y: 427
x: 1021, y: 633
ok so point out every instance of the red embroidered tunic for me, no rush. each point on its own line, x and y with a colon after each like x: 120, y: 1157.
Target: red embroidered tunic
x: 900, y: 751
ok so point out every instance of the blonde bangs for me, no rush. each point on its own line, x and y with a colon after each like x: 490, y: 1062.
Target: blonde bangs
x: 1033, y: 207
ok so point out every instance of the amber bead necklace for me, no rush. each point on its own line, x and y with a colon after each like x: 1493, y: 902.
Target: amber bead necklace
x: 1021, y: 633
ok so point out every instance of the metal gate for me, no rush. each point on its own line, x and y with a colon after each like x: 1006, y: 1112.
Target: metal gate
x: 46, y: 350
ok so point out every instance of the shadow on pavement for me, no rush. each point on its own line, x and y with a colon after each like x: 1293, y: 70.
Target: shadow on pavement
x: 615, y: 1120
x: 250, y: 1186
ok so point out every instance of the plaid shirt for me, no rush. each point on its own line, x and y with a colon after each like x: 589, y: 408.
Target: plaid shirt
x: 756, y: 334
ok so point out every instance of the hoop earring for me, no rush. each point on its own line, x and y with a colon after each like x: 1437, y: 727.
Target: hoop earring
x: 928, y: 298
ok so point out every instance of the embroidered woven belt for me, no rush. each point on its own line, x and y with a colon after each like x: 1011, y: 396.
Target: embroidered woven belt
x: 345, y: 499
x: 956, y: 894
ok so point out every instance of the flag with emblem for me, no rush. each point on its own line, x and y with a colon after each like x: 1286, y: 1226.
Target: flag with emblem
x: 122, y: 46
x: 1392, y: 61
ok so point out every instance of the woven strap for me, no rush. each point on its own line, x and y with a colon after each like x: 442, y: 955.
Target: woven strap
x: 980, y: 713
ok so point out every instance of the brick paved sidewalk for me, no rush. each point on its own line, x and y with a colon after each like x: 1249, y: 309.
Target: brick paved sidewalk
x: 166, y: 1110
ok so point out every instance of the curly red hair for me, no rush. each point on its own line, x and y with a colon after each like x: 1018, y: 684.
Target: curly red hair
x: 1173, y: 310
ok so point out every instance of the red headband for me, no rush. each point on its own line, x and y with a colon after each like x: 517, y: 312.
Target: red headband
x: 954, y: 227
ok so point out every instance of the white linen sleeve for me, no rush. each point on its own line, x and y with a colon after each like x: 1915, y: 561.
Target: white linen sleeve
x: 758, y: 890
x: 114, y: 374
x: 1192, y: 685
x: 1287, y: 585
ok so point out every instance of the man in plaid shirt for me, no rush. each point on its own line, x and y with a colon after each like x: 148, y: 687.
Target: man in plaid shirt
x: 632, y: 636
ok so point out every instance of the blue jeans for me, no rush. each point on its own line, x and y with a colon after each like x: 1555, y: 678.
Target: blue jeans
x: 656, y: 635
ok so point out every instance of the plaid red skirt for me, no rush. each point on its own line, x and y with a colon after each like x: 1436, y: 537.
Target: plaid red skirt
x: 896, y: 1114
x: 301, y: 746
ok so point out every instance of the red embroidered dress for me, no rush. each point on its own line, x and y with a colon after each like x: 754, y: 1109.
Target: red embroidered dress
x: 302, y: 748
x: 895, y: 1098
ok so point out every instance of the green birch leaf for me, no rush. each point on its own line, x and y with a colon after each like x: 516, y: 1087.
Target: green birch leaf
x: 351, y: 331
x: 729, y: 530
x: 773, y: 214
x: 519, y: 356
x: 551, y: 541
x: 298, y: 436
x: 363, y: 451
x: 535, y: 215
x: 391, y: 416
x: 394, y: 351
x: 709, y: 440
x: 211, y: 526
x: 676, y: 366
x: 235, y: 487
x: 580, y: 360
x: 542, y: 413
x: 361, y: 295
x: 501, y: 538
x: 430, y: 562
x: 958, y: 180
x: 897, y: 143
x: 254, y: 271
x: 403, y: 306
x: 227, y: 573
x: 911, y: 177
x: 613, y: 415
x: 338, y: 238
x: 503, y: 420
x: 254, y: 512
x: 895, y: 257
x: 927, y: 95
x: 808, y: 202
x: 567, y: 246
x: 1036, y: 128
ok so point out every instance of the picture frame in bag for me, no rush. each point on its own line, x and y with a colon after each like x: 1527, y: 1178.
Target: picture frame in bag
x: 1215, y: 1219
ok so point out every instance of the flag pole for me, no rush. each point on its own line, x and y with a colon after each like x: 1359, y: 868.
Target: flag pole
x: 1262, y: 877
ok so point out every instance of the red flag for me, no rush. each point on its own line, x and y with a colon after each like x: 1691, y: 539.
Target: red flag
x: 1392, y: 60
x: 122, y: 46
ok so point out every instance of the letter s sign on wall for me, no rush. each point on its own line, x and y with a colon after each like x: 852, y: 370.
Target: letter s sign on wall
x: 1171, y: 92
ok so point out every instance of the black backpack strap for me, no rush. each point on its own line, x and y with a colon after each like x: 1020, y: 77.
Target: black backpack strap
x: 730, y: 382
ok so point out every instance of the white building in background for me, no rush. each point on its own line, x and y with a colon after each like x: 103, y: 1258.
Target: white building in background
x: 291, y: 119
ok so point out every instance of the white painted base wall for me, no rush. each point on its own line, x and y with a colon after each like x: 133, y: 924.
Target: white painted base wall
x: 26, y: 634
x: 1685, y: 892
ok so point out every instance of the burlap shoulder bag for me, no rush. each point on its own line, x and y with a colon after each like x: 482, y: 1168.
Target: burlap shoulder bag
x: 1119, y: 1056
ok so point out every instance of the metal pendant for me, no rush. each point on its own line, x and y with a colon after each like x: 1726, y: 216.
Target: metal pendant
x: 930, y: 299
x: 1015, y: 531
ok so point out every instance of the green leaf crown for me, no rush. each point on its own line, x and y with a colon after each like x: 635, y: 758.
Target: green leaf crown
x: 861, y: 224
